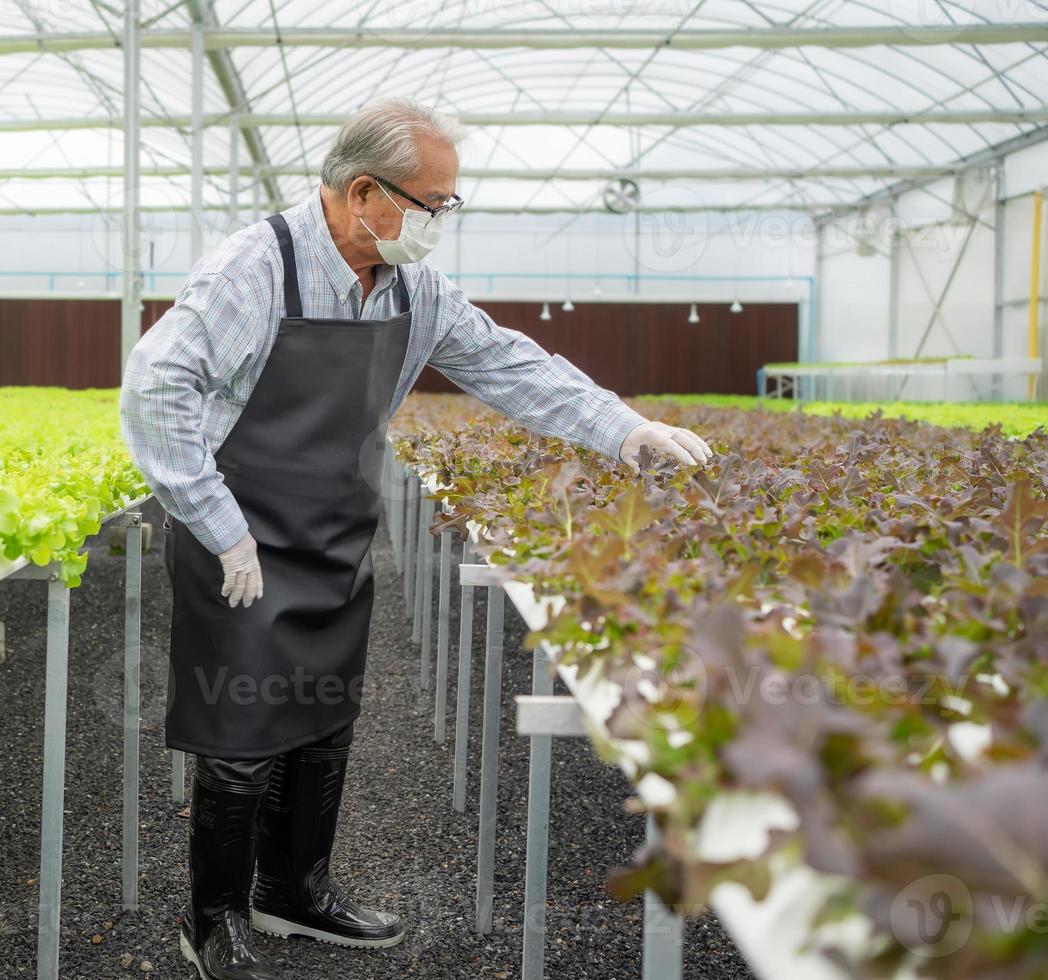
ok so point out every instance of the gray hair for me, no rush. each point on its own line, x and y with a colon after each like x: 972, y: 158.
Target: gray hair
x: 382, y: 138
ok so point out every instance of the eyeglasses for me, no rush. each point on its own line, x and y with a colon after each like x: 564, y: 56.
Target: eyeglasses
x: 453, y: 203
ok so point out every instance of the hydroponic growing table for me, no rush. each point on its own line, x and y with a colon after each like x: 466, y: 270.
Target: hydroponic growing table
x: 56, y: 677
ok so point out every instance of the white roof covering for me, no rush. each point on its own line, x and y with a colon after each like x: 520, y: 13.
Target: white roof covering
x: 876, y: 93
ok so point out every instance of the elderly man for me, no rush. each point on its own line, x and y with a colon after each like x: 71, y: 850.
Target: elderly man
x: 254, y: 408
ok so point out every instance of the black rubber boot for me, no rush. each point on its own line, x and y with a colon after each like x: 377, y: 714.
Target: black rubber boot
x: 294, y: 893
x: 223, y: 838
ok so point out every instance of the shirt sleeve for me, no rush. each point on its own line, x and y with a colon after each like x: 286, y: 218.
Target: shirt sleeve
x: 198, y: 346
x: 510, y: 372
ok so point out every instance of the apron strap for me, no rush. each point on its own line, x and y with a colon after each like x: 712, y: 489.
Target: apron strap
x: 292, y: 300
x: 405, y: 299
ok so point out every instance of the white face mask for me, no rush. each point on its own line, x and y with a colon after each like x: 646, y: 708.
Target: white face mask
x: 419, y: 234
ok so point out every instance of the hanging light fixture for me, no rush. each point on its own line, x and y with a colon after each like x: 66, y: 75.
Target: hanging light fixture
x: 545, y: 314
x: 736, y: 307
x: 693, y: 314
x: 568, y: 305
x: 597, y: 291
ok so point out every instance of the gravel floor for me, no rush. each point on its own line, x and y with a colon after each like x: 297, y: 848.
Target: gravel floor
x: 400, y: 844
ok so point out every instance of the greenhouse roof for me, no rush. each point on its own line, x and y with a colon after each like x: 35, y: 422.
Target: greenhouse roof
x: 715, y: 104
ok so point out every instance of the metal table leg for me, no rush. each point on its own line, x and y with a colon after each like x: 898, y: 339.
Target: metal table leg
x: 132, y: 701
x: 178, y: 776
x: 410, y: 540
x: 396, y: 512
x: 538, y: 831
x: 541, y: 716
x: 462, y: 694
x: 443, y: 611
x: 489, y: 759
x: 421, y: 536
x: 55, y: 703
x: 429, y: 508
x: 662, y: 933
x: 383, y: 481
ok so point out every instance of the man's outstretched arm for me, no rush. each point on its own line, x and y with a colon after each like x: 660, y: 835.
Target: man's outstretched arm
x: 545, y: 393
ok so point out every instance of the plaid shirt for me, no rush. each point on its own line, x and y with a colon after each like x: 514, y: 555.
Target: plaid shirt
x: 190, y: 375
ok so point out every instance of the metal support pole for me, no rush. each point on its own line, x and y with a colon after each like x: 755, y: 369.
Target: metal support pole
x: 196, y: 249
x: 818, y: 296
x: 937, y: 309
x: 538, y: 830
x: 132, y: 700
x: 196, y: 231
x: 462, y: 692
x: 395, y: 510
x: 428, y: 509
x: 256, y: 194
x: 895, y: 249
x: 662, y: 932
x: 489, y: 759
x: 393, y: 514
x: 178, y: 776
x: 1034, y: 333
x: 421, y: 534
x: 458, y: 249
x: 999, y: 253
x: 402, y: 514
x: 234, y: 172
x: 443, y: 615
x: 131, y: 299
x: 410, y: 540
x: 636, y: 252
x: 55, y: 703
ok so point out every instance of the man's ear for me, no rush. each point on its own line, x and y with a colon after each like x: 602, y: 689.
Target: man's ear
x: 357, y: 195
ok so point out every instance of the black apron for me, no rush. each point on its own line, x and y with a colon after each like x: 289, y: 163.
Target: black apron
x: 304, y: 462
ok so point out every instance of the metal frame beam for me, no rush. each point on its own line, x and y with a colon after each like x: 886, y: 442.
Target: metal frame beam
x: 131, y: 273
x: 1000, y: 212
x: 992, y: 155
x: 595, y: 173
x: 235, y: 93
x: 812, y: 207
x: 674, y: 120
x: 218, y: 38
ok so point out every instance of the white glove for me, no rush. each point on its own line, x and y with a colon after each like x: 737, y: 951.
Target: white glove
x: 243, y: 574
x: 682, y: 444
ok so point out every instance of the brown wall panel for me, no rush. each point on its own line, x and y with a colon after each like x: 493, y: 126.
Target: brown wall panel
x: 650, y: 348
x: 631, y: 348
x: 67, y: 343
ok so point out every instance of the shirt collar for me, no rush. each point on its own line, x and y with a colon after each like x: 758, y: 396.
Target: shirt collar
x: 336, y: 268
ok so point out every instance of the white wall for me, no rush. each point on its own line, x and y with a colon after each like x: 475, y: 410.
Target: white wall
x: 690, y: 256
x: 853, y: 296
x: 935, y: 245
